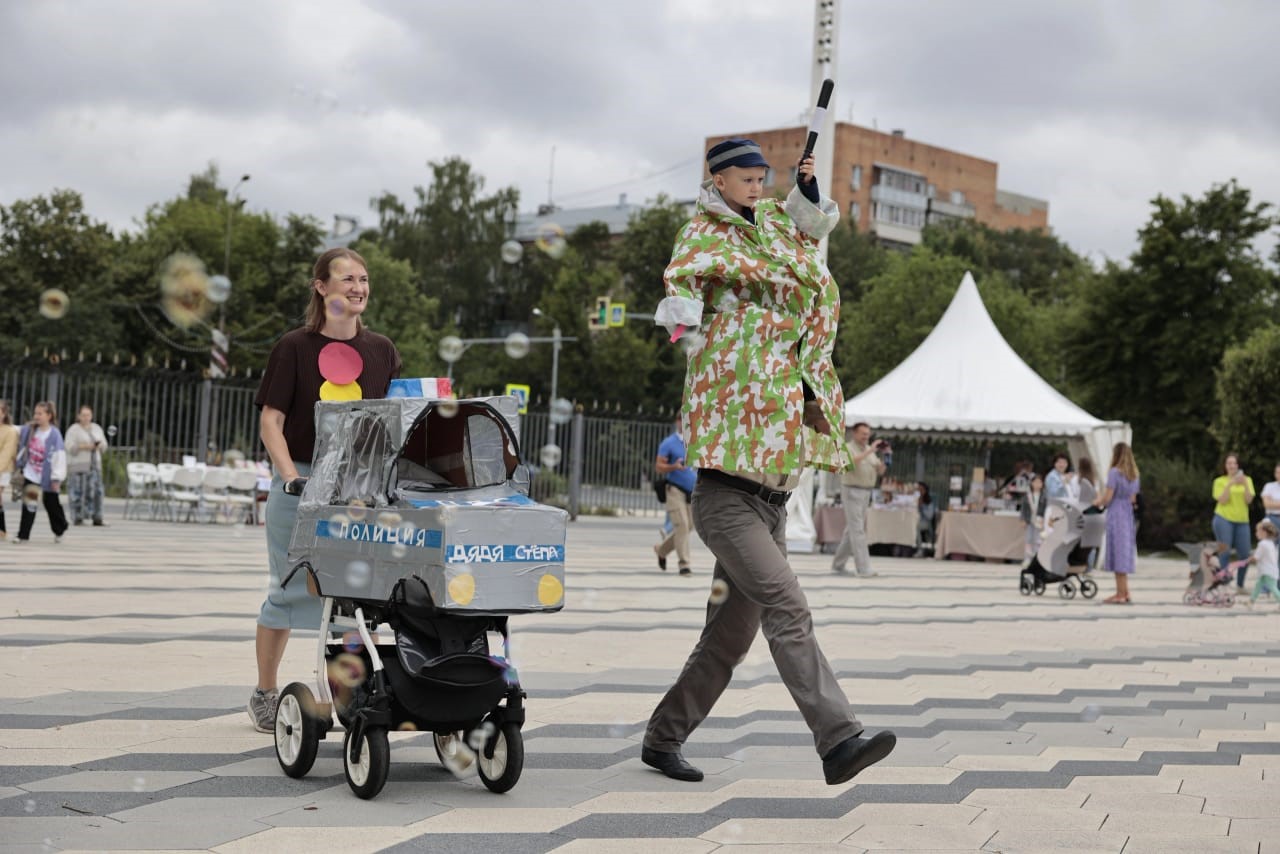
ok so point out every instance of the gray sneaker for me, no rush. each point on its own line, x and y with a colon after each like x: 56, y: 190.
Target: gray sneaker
x: 262, y: 709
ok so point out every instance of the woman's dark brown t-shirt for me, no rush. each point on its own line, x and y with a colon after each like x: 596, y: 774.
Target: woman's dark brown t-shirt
x: 292, y: 381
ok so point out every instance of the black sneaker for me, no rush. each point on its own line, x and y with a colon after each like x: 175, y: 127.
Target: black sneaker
x: 684, y: 570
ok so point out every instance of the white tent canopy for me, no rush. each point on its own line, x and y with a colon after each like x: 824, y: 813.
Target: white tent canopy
x: 965, y: 379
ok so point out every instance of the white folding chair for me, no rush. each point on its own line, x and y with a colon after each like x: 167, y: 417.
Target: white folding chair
x: 164, y: 490
x: 143, y: 480
x: 186, y: 490
x: 213, y: 490
x: 242, y: 492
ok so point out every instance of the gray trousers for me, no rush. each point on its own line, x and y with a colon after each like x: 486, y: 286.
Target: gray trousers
x: 856, y: 500
x: 748, y: 538
x: 84, y: 488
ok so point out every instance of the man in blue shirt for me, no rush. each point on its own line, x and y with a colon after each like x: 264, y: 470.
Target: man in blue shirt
x: 680, y: 483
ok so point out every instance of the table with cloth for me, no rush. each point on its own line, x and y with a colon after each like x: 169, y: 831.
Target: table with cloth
x: 989, y: 535
x: 896, y: 526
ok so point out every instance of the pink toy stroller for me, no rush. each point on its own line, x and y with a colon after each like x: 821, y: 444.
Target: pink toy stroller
x: 1210, y: 584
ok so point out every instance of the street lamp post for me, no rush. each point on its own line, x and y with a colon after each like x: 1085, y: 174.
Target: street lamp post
x: 226, y: 256
x: 556, y: 338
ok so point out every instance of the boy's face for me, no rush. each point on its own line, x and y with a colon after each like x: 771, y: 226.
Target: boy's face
x: 741, y: 186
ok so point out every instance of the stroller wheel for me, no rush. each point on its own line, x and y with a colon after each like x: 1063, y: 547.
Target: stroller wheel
x: 367, y: 775
x: 1025, y: 586
x: 502, y: 759
x: 1039, y: 587
x: 1089, y: 588
x: 1067, y: 590
x: 297, y: 730
x: 1191, y: 597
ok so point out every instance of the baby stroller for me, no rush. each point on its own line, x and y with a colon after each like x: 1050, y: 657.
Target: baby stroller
x: 1210, y: 583
x: 1063, y: 555
x: 417, y: 515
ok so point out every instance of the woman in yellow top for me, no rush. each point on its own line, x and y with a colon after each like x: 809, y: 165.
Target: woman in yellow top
x: 1233, y: 493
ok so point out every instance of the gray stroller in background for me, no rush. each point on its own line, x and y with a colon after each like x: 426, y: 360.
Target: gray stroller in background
x: 1063, y: 556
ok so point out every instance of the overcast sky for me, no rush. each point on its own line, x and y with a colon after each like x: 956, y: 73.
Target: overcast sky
x: 1095, y: 105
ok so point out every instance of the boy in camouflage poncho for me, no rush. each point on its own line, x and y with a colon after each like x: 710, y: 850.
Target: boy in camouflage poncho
x: 762, y: 400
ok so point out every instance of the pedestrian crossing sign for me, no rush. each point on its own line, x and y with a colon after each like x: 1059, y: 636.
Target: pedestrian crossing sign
x: 520, y: 393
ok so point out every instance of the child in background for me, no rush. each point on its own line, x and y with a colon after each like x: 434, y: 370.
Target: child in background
x: 1266, y: 558
x: 1032, y: 510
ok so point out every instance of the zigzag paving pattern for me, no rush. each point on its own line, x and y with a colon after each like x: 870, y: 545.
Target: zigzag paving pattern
x: 1024, y: 724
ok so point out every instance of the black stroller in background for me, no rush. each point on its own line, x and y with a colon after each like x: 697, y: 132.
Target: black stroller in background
x: 1063, y: 556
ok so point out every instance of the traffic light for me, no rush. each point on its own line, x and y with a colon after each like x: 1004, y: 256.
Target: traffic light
x: 600, y: 317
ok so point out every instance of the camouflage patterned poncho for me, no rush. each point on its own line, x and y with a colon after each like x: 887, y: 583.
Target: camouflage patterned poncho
x: 773, y: 309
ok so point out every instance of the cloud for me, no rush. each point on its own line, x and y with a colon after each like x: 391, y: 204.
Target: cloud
x: 1095, y: 105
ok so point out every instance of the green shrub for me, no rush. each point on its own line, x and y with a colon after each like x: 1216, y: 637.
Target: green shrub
x: 1177, y: 504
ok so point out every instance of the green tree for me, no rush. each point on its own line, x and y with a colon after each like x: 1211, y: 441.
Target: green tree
x: 51, y: 242
x: 451, y: 235
x: 1144, y: 340
x: 904, y: 303
x: 854, y: 258
x: 1033, y: 261
x: 1248, y: 408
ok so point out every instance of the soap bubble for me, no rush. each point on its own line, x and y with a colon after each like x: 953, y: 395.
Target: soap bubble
x: 550, y: 239
x: 407, y: 726
x: 29, y: 805
x: 517, y: 345
x: 347, y: 670
x: 451, y: 348
x: 357, y: 509
x: 54, y: 303
x: 358, y: 574
x: 719, y: 591
x: 550, y: 456
x: 398, y: 551
x: 336, y: 307
x: 512, y: 251
x: 1090, y: 712
x: 184, y: 290
x: 139, y: 784
x: 727, y: 303
x: 219, y: 289
x: 31, y: 496
x: 339, y: 520
x: 561, y: 411
x: 389, y: 519
x: 692, y: 341
x: 352, y: 642
x: 447, y: 408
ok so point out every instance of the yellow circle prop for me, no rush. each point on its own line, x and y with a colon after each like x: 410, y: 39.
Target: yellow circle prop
x: 550, y: 590
x: 462, y: 588
x: 349, y: 391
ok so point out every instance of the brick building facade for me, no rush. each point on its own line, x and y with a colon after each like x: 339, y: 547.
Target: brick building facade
x: 893, y: 185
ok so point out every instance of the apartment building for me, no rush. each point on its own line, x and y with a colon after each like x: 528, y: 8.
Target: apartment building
x: 892, y: 185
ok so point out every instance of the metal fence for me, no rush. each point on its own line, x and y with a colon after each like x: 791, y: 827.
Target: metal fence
x: 605, y: 463
x: 150, y: 415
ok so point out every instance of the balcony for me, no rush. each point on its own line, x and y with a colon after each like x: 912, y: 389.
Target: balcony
x: 901, y: 198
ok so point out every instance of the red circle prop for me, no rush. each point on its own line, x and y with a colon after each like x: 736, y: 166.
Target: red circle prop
x: 340, y: 363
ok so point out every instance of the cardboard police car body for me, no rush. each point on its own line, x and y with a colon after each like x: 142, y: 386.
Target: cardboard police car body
x: 410, y: 488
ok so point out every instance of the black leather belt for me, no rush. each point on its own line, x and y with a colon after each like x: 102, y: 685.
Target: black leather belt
x: 774, y: 497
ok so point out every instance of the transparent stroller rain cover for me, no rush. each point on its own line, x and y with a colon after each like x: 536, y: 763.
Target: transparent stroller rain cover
x: 409, y: 488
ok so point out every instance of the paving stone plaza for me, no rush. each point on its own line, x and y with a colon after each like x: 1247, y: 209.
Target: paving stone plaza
x: 1024, y: 724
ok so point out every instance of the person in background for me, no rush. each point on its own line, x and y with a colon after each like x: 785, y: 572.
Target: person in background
x: 1086, y: 494
x: 1266, y: 559
x: 680, y: 483
x: 857, y: 483
x: 1233, y: 493
x: 8, y: 454
x: 43, y: 458
x: 1121, y: 549
x: 928, y: 511
x: 85, y: 445
x: 1270, y: 498
x: 1057, y: 483
x: 1032, y: 512
x: 295, y: 379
